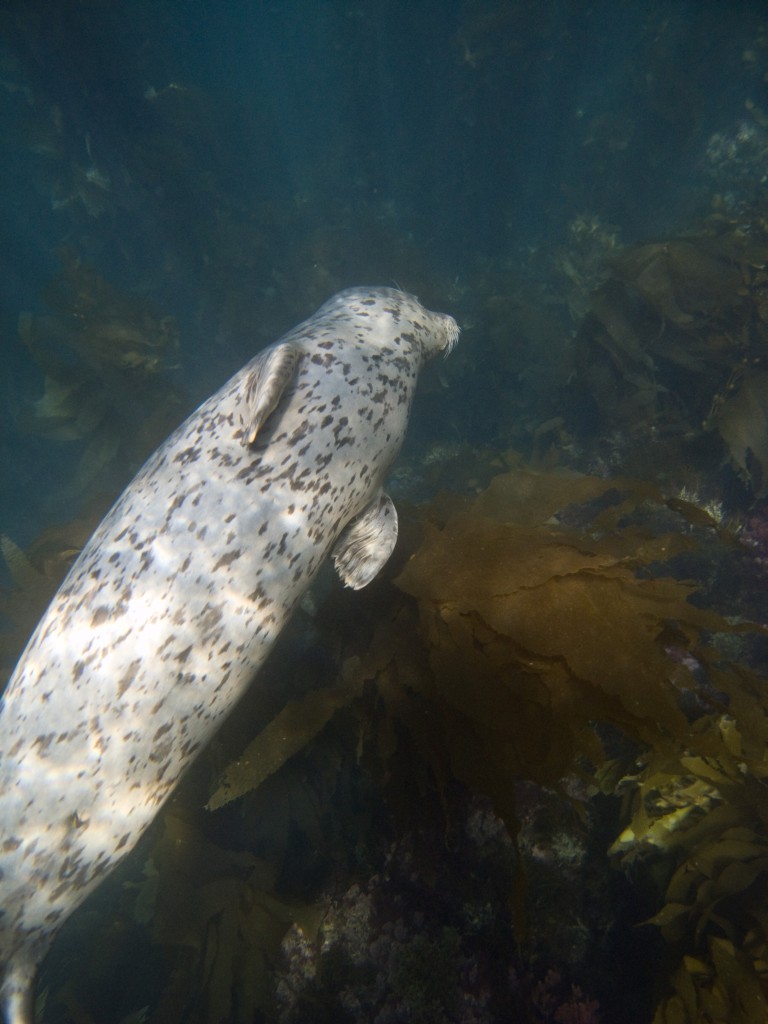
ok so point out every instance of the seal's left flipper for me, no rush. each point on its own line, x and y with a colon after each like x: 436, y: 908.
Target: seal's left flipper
x: 366, y: 543
x: 265, y: 385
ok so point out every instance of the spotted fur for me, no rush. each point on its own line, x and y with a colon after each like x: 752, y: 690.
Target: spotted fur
x: 176, y: 599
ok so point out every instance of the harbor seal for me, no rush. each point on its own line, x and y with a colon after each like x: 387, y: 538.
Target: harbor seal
x: 175, y: 601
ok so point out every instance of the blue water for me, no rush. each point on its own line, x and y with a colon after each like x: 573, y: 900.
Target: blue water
x: 254, y: 157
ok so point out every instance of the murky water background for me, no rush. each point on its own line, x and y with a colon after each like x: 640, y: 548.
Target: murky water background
x: 583, y: 187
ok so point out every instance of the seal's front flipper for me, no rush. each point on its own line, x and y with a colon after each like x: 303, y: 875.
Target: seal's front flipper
x: 265, y: 384
x: 366, y: 543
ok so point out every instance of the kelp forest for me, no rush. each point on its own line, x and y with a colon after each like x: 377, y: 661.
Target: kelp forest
x: 523, y: 775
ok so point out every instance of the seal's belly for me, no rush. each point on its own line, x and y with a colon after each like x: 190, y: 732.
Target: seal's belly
x: 177, y: 598
x: 161, y: 623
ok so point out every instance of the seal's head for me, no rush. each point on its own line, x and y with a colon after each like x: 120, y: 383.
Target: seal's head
x: 388, y: 314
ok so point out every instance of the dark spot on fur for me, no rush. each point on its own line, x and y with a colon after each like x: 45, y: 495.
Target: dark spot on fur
x: 227, y: 559
x: 100, y: 615
x: 128, y: 676
x: 190, y: 454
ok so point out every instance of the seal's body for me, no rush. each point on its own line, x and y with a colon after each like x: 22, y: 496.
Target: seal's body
x: 176, y: 599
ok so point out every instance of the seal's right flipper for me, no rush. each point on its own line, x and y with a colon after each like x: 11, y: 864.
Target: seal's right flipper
x: 366, y: 543
x: 265, y: 384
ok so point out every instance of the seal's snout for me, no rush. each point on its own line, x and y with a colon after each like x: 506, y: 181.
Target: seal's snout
x: 452, y: 332
x: 443, y: 335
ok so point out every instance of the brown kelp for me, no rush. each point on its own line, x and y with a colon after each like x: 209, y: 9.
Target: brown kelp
x: 673, y: 347
x: 545, y: 635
